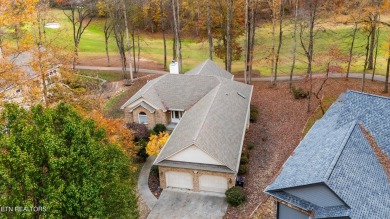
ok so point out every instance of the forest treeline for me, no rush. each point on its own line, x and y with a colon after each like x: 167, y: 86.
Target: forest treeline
x: 221, y: 23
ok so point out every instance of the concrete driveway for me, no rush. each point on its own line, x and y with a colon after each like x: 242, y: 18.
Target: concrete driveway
x: 184, y: 204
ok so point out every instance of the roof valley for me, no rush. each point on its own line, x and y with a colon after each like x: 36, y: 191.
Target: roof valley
x: 340, y: 151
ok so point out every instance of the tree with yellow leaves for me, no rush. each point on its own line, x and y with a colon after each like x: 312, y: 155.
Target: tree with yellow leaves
x: 156, y: 143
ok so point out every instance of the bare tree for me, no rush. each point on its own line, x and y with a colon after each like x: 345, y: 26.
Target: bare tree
x: 281, y: 12
x: 117, y: 16
x: 80, y: 14
x: 295, y: 41
x: 317, y: 94
x: 163, y: 21
x: 128, y: 41
x: 309, y: 49
x: 107, y: 29
x: 229, y: 18
x: 355, y: 28
x: 373, y: 21
x: 246, y: 8
x: 176, y: 20
x: 376, y: 52
x: 367, y: 59
x: 209, y: 35
x: 386, y: 90
x: 252, y: 37
x: 272, y: 6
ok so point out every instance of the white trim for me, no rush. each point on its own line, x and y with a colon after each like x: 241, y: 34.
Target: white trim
x: 173, y: 116
x: 139, y: 100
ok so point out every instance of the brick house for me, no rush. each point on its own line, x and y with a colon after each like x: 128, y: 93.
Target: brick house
x: 209, y: 113
x: 341, y: 169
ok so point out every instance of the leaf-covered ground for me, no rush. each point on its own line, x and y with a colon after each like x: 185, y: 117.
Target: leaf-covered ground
x: 276, y: 134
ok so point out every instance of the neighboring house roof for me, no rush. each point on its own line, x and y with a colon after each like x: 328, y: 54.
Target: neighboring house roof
x: 209, y: 68
x: 215, y: 124
x: 336, y: 153
x: 22, y: 63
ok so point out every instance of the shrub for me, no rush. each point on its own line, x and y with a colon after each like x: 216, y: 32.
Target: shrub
x: 251, y: 146
x: 141, y: 154
x: 235, y: 195
x: 159, y: 128
x: 299, y: 93
x: 244, y: 159
x: 154, y: 171
x: 254, y: 114
x: 242, y: 169
x: 152, y: 132
x: 140, y: 131
x: 245, y: 153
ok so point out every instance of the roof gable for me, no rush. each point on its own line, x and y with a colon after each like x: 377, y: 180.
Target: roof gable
x: 210, y: 68
x: 360, y: 180
x: 314, y: 158
x: 193, y: 154
x: 370, y: 110
x: 350, y: 166
x: 175, y: 92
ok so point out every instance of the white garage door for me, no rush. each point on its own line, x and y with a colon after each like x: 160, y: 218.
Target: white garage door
x: 179, y: 180
x: 210, y: 183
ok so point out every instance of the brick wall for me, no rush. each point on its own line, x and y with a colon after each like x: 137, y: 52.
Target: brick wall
x: 153, y: 118
x: 231, y: 177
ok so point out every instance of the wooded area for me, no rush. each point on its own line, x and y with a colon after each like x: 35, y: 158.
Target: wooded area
x: 223, y: 23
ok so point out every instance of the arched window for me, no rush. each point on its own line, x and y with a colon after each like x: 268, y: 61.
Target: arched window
x: 142, y: 118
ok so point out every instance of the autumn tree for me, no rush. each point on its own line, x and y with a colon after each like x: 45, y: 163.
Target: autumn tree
x: 221, y: 11
x: 56, y: 159
x: 80, y: 14
x: 103, y: 11
x: 156, y: 143
x: 117, y: 132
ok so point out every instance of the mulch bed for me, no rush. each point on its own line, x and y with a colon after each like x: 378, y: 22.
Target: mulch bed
x: 277, y: 132
x: 154, y: 185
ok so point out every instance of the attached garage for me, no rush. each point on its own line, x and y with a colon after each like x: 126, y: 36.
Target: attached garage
x: 179, y: 180
x: 209, y: 183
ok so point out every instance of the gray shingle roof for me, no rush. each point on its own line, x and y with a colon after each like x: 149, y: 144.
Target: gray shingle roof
x: 336, y: 152
x: 175, y: 92
x: 210, y: 68
x: 216, y: 124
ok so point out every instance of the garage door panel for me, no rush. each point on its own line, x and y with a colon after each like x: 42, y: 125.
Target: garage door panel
x: 179, y: 180
x: 209, y: 183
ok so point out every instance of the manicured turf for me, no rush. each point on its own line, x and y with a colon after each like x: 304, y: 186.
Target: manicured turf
x: 106, y: 75
x: 194, y: 52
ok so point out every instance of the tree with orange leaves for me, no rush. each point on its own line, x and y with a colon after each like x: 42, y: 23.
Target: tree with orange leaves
x: 117, y: 132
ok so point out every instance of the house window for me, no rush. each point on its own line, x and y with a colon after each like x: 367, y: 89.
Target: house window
x: 176, y: 116
x: 142, y: 118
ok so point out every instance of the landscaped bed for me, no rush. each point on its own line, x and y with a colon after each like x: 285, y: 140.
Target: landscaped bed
x: 277, y: 132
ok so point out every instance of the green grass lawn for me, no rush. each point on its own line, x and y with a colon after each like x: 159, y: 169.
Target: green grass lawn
x: 106, y: 75
x: 194, y: 52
